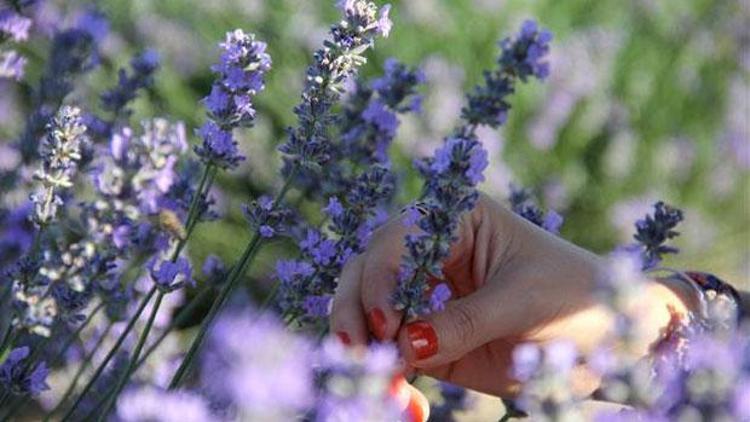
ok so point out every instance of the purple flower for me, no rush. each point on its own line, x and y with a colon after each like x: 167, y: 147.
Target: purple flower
x: 12, y: 65
x: 169, y: 276
x: 334, y: 207
x: 143, y: 68
x: 240, y: 76
x: 318, y: 306
x: 14, y: 25
x: 440, y: 294
x: 258, y: 366
x: 653, y: 231
x: 552, y: 222
x: 218, y: 148
x: 156, y: 405
x: 18, y: 378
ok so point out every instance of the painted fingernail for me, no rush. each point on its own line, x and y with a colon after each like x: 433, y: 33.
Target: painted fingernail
x: 422, y: 339
x: 376, y: 320
x: 344, y: 338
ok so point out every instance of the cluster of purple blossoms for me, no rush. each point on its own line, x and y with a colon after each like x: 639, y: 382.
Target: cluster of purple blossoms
x: 18, y: 378
x: 307, y: 284
x: 60, y: 152
x: 308, y: 145
x: 522, y: 56
x: 143, y: 67
x: 654, y: 230
x: 267, y: 218
x: 285, y: 376
x: 521, y: 203
x: 133, y: 181
x: 241, y: 72
x: 370, y: 115
x: 15, y: 27
x: 452, y: 174
x: 73, y: 52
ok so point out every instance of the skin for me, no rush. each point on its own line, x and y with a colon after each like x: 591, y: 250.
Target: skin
x: 512, y: 283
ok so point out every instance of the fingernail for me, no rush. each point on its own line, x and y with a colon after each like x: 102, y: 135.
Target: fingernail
x: 376, y: 320
x: 344, y: 338
x: 422, y: 339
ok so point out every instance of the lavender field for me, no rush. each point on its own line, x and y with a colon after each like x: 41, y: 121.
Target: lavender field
x: 187, y: 189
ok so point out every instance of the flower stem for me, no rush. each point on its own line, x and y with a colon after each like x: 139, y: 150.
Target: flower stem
x: 84, y: 363
x: 111, y: 353
x: 133, y: 359
x: 232, y: 279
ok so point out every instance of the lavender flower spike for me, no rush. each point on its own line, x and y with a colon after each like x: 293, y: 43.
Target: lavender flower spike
x: 60, y: 152
x: 452, y: 174
x: 308, y: 144
x: 244, y: 63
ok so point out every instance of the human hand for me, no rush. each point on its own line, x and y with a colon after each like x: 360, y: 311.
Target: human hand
x: 511, y: 283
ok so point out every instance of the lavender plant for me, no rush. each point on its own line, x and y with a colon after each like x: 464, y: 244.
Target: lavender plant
x: 451, y: 175
x: 100, y: 266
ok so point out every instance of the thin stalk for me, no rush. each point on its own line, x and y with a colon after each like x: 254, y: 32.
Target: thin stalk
x: 74, y: 335
x: 180, y: 318
x: 111, y: 353
x: 233, y: 278
x: 133, y: 360
x: 84, y: 363
x: 8, y: 339
x: 215, y: 307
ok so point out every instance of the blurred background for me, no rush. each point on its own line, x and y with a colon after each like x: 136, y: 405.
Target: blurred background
x: 646, y: 100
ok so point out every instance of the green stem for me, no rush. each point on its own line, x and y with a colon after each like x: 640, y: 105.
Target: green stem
x: 193, y: 209
x: 133, y: 360
x: 233, y: 278
x: 84, y: 363
x: 74, y: 335
x: 111, y: 353
x: 179, y: 319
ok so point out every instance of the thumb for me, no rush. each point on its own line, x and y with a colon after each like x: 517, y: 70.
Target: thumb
x: 464, y: 325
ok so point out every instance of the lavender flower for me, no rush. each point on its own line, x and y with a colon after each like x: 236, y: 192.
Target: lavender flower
x: 152, y: 404
x: 267, y: 218
x: 354, y: 384
x: 241, y: 70
x: 16, y: 377
x: 370, y: 114
x: 60, y: 153
x: 259, y: 368
x: 308, y: 285
x: 143, y: 67
x: 521, y: 203
x: 12, y: 65
x: 14, y: 26
x: 169, y: 276
x: 73, y: 52
x: 520, y: 58
x: 654, y: 230
x: 452, y: 174
x: 308, y: 145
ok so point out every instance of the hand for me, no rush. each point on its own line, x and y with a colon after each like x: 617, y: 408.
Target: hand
x: 511, y: 282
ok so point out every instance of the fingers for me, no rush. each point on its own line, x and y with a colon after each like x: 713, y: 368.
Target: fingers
x: 378, y: 284
x: 347, y: 316
x: 464, y: 325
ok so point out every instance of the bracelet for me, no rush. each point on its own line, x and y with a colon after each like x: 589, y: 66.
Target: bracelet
x: 720, y: 301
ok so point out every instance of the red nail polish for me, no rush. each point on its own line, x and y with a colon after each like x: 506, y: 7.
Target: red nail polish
x: 423, y: 339
x: 376, y: 320
x: 344, y: 338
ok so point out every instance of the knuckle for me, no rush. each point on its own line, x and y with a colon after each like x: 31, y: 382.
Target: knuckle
x: 464, y: 317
